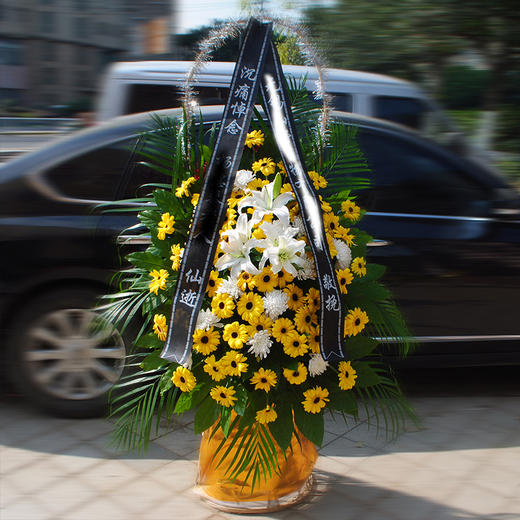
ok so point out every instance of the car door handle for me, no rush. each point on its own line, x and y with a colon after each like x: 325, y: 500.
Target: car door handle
x: 379, y: 243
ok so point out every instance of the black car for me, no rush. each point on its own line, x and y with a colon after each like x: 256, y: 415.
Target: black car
x: 447, y: 229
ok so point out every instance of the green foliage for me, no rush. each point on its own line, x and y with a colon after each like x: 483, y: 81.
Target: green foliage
x: 464, y: 87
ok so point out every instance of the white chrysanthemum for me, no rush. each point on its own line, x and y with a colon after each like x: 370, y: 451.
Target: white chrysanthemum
x: 206, y: 319
x: 243, y: 178
x: 275, y: 303
x: 260, y: 344
x: 188, y: 363
x: 317, y: 365
x: 344, y: 255
x: 229, y: 286
x: 308, y: 272
x: 298, y: 224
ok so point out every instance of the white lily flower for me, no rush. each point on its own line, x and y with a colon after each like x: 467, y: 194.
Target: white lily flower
x: 237, y: 248
x: 264, y: 203
x: 280, y: 248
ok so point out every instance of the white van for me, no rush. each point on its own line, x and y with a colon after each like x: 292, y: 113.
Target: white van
x: 131, y: 87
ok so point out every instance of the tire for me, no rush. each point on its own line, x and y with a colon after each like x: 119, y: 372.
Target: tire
x: 60, y: 357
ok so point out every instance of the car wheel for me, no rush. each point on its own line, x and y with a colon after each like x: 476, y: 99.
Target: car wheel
x: 64, y: 358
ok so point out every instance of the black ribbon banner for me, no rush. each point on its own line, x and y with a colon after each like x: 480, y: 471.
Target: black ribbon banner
x: 258, y: 55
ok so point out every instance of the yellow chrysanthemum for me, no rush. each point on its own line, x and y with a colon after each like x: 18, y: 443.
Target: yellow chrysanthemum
x: 234, y: 363
x: 283, y: 278
x: 195, y: 199
x: 245, y: 281
x: 325, y: 206
x: 282, y: 327
x: 355, y: 321
x: 213, y: 284
x: 312, y: 299
x: 314, y: 340
x: 264, y: 379
x: 206, y: 341
x: 214, y: 368
x: 351, y: 210
x: 265, y: 165
x: 305, y: 319
x: 259, y: 234
x: 315, y: 399
x: 234, y: 199
x: 262, y: 323
x: 344, y: 234
x: 176, y: 256
x: 294, y: 296
x: 224, y: 395
x: 166, y: 226
x: 184, y: 379
x: 160, y: 326
x: 347, y: 375
x: 345, y: 278
x: 331, y: 223
x: 332, y: 248
x: 295, y: 345
x: 296, y: 376
x: 317, y: 180
x: 254, y: 138
x: 159, y: 280
x: 286, y: 188
x: 184, y: 189
x: 266, y: 280
x: 294, y: 211
x: 266, y: 415
x: 359, y: 266
x: 222, y: 305
x: 257, y: 184
x: 281, y: 166
x: 250, y: 306
x: 236, y: 334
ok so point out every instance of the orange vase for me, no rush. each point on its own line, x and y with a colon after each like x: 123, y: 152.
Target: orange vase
x: 274, y: 492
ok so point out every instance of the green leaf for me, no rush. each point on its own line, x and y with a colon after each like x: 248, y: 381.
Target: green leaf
x: 282, y: 428
x: 310, y: 424
x: 188, y: 400
x: 149, y: 218
x: 241, y: 395
x: 359, y: 346
x: 145, y: 260
x: 225, y: 420
x: 206, y: 415
x: 375, y: 271
x: 344, y: 401
x: 149, y: 340
x: 277, y: 185
x: 167, y: 202
x: 166, y: 383
x: 366, y: 375
x: 153, y: 362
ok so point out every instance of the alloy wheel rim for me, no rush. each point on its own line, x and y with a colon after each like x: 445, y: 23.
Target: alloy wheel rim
x: 73, y: 354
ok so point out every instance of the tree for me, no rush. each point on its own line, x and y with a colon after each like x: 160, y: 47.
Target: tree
x: 416, y: 38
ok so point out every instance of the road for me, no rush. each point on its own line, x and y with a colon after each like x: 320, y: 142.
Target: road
x: 460, y: 463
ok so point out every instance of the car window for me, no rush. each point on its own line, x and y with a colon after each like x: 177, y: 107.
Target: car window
x: 341, y: 101
x: 405, y: 111
x: 93, y: 175
x: 147, y: 97
x: 409, y: 178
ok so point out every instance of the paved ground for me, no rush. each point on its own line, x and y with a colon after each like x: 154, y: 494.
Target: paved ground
x: 462, y: 463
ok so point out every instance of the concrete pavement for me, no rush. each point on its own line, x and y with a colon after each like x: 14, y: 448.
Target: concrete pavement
x: 462, y: 463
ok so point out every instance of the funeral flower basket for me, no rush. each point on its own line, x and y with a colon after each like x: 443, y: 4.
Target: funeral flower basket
x: 258, y: 308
